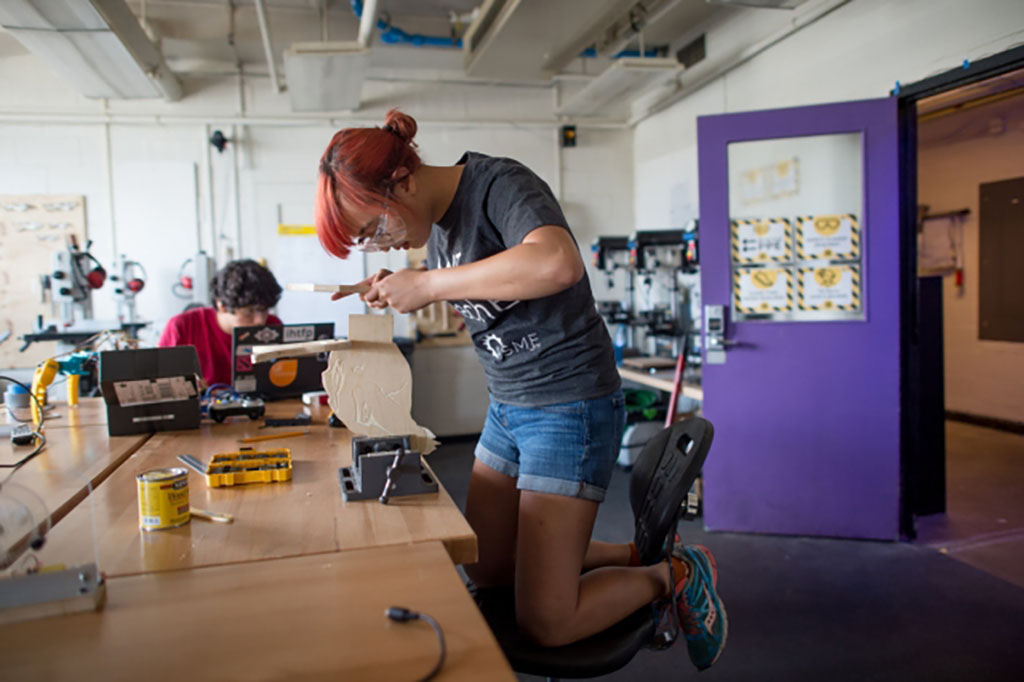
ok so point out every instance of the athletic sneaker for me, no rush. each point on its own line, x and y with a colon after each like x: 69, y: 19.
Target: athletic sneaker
x: 701, y: 614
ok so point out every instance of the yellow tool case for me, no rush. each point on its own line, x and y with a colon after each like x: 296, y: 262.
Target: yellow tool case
x: 245, y: 466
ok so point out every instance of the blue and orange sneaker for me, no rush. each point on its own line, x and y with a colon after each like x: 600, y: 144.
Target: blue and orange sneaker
x: 702, y: 616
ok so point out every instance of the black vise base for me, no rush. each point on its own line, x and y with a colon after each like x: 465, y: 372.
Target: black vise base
x: 367, y: 480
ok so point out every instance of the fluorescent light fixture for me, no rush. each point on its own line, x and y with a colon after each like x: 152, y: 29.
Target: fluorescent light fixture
x: 97, y: 46
x: 611, y: 94
x: 326, y: 76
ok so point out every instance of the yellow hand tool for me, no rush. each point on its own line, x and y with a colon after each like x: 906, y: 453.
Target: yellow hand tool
x: 272, y: 436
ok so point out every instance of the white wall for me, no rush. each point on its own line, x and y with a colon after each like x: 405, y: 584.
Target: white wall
x: 857, y: 51
x: 955, y: 155
x: 52, y: 140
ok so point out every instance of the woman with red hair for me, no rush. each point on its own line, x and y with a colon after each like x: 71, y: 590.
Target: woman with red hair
x: 500, y: 251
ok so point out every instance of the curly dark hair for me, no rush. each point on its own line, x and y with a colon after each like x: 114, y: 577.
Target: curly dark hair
x: 242, y: 283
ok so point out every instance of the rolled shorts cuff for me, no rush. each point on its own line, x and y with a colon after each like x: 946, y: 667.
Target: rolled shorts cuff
x: 496, y: 462
x: 558, y: 486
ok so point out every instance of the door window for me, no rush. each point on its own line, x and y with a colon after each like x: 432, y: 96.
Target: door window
x: 796, y: 228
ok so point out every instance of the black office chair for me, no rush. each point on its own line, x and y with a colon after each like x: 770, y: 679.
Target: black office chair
x: 661, y: 478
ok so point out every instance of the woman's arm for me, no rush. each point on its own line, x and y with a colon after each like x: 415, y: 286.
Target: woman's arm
x: 544, y: 263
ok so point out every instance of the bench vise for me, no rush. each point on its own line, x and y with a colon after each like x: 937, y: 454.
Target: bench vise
x: 384, y: 467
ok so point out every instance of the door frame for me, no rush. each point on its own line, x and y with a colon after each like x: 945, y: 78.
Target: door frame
x: 922, y: 481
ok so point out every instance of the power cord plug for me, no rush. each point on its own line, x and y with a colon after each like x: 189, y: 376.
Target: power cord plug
x: 400, y: 614
x: 22, y: 434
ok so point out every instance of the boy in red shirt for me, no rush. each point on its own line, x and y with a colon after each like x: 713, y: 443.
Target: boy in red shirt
x: 242, y: 292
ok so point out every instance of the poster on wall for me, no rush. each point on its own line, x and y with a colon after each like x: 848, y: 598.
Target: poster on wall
x: 830, y: 288
x: 762, y: 290
x: 33, y: 227
x: 784, y: 178
x: 752, y: 186
x: 780, y: 179
x: 832, y: 237
x: 763, y: 240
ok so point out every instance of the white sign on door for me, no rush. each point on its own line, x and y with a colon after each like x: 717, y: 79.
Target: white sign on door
x: 835, y: 237
x: 762, y: 290
x: 765, y: 240
x: 832, y: 288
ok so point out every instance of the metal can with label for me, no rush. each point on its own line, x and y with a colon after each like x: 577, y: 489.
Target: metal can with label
x: 163, y: 498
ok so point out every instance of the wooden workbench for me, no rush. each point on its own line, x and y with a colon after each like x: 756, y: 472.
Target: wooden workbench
x: 88, y: 412
x: 303, y: 516
x: 661, y: 380
x: 268, y: 597
x: 73, y: 461
x: 314, y: 617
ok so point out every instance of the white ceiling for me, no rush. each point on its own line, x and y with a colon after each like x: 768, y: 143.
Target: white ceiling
x: 199, y: 29
x: 528, y: 42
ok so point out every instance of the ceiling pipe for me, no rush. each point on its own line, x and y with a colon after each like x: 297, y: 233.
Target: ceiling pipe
x: 261, y: 15
x: 714, y: 71
x: 366, y: 22
x: 313, y: 120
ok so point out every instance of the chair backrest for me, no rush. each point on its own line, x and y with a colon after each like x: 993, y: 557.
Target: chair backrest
x: 662, y: 476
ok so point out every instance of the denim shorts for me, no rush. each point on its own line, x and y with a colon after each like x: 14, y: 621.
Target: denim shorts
x: 565, y: 449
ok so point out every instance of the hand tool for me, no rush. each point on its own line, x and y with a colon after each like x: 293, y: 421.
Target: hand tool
x: 271, y: 436
x: 329, y: 288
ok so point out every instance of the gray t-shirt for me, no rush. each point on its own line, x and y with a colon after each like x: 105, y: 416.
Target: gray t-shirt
x: 535, y: 352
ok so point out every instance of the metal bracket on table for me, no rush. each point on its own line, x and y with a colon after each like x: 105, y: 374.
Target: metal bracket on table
x: 36, y: 595
x: 382, y: 468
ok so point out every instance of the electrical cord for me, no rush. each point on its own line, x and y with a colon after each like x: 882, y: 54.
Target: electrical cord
x: 42, y: 410
x: 17, y: 465
x: 400, y: 614
x: 215, y: 393
x: 38, y: 433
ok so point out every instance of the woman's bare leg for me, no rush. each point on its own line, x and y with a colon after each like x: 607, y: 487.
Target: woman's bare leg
x: 555, y: 604
x: 492, y: 505
x: 605, y: 554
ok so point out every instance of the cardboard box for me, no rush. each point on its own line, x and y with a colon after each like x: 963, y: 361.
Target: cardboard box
x: 151, y: 389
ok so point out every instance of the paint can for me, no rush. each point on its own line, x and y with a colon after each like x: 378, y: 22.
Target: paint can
x: 163, y: 498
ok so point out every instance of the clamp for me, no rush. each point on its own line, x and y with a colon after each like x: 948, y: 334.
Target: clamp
x: 384, y: 467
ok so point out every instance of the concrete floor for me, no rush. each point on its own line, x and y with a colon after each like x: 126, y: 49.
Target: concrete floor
x: 984, y: 521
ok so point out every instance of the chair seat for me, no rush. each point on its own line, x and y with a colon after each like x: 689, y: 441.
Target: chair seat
x: 603, y: 653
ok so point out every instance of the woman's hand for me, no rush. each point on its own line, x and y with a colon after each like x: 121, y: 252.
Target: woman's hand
x: 405, y: 291
x: 369, y: 281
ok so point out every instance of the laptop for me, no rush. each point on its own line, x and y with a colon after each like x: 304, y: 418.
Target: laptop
x: 282, y: 378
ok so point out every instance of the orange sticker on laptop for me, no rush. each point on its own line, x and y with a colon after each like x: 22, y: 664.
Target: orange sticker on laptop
x: 283, y: 372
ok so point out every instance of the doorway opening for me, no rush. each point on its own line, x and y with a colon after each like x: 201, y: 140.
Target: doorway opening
x: 965, y: 189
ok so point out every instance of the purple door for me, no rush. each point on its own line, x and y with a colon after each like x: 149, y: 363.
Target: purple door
x: 799, y: 221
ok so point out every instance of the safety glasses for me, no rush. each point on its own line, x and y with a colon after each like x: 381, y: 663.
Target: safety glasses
x: 390, y: 231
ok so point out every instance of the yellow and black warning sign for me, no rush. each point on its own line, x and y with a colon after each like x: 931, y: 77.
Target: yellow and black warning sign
x: 830, y: 289
x: 762, y: 290
x: 833, y: 237
x: 765, y: 240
